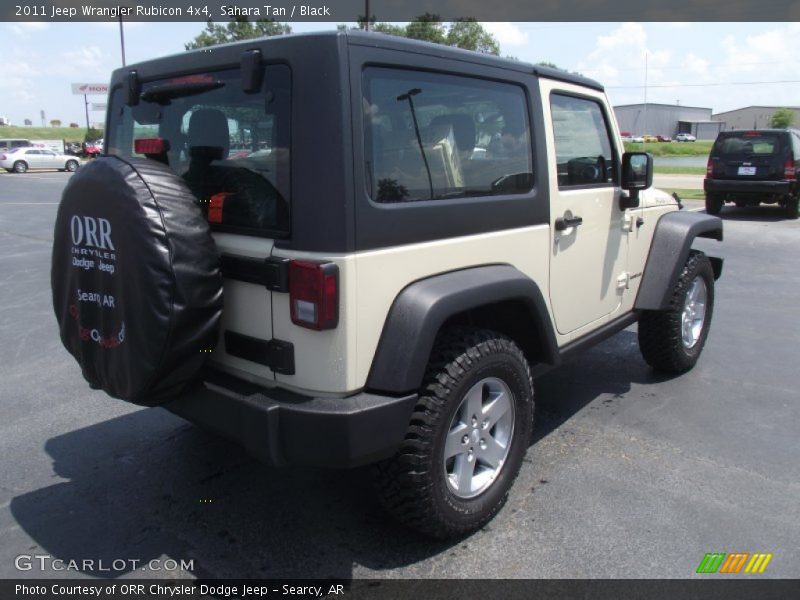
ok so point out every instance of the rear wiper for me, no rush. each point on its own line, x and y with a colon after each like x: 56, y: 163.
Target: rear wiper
x: 165, y: 92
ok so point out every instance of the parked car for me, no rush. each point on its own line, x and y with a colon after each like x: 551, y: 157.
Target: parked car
x: 748, y: 168
x: 10, y: 144
x: 92, y: 150
x: 388, y: 305
x: 638, y: 139
x: 649, y: 138
x: 663, y: 138
x: 685, y: 137
x: 73, y: 148
x: 19, y: 160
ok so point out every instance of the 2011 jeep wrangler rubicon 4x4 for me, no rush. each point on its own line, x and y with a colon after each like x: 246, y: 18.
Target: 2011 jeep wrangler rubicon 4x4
x: 402, y: 233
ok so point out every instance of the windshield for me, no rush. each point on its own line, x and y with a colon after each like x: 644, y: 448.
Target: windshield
x: 230, y: 147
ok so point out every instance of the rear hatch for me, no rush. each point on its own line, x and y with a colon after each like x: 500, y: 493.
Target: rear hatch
x: 748, y: 155
x: 230, y: 145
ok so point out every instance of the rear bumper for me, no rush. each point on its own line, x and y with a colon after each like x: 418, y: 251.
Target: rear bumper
x: 281, y: 427
x: 738, y: 186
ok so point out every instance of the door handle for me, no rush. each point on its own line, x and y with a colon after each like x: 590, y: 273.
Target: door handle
x: 563, y: 223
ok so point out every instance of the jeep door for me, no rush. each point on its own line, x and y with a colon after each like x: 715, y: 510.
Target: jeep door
x: 589, y: 247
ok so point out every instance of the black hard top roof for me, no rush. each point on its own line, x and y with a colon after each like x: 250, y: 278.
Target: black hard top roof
x: 381, y: 40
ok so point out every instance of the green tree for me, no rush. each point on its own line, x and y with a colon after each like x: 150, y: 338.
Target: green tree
x: 461, y: 33
x: 93, y: 135
x: 470, y: 35
x: 428, y: 28
x: 781, y: 118
x: 238, y: 29
x: 388, y: 29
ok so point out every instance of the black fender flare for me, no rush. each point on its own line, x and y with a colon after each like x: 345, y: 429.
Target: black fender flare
x: 669, y: 250
x: 421, y: 308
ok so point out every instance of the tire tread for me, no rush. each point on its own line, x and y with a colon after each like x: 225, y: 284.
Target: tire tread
x: 659, y: 332
x: 404, y: 484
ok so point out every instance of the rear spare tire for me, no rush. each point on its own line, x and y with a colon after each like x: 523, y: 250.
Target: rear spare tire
x: 137, y: 289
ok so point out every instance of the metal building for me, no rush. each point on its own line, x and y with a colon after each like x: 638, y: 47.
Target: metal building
x: 752, y: 117
x: 667, y: 119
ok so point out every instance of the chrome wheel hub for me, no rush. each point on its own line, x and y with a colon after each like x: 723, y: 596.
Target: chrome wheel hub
x: 479, y: 438
x: 693, y: 316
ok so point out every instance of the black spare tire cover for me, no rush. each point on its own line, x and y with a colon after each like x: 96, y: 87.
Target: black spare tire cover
x: 136, y: 280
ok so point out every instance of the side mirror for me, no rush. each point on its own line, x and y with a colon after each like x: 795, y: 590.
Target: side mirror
x: 637, y: 174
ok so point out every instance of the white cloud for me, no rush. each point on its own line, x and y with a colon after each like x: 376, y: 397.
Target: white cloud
x: 695, y: 64
x: 620, y: 56
x: 627, y: 35
x: 84, y: 58
x: 507, y: 34
x: 25, y: 30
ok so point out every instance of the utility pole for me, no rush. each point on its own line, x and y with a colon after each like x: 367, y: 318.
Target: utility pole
x: 122, y: 40
x: 366, y: 23
x: 645, y: 93
x: 86, y: 106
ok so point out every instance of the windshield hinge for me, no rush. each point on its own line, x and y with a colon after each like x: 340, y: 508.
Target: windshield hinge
x: 252, y: 71
x: 627, y: 222
x: 133, y: 89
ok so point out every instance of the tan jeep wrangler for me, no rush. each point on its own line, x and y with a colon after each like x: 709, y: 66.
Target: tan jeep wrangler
x: 347, y: 248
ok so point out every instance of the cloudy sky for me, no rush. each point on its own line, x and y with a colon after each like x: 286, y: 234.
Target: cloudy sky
x: 718, y: 65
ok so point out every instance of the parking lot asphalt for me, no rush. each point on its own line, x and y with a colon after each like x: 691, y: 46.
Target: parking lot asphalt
x: 630, y: 474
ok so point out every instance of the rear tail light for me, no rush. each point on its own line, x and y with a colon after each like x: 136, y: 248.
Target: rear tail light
x: 788, y: 169
x: 155, y: 145
x: 710, y: 167
x: 314, y: 294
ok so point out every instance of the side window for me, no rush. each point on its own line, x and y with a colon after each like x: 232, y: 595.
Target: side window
x: 584, y: 152
x: 431, y: 136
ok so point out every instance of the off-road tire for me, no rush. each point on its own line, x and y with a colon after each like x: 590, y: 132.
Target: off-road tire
x: 412, y: 485
x: 713, y: 204
x: 660, y: 333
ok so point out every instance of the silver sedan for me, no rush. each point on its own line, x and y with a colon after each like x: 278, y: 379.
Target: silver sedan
x: 19, y: 160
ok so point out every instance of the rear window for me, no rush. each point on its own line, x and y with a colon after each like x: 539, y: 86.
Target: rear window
x: 748, y: 144
x: 230, y: 147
